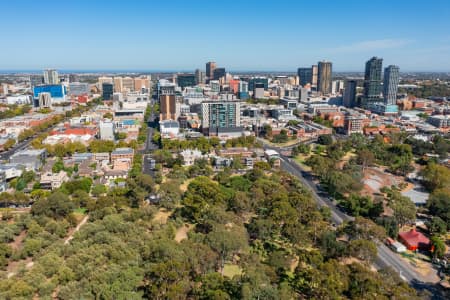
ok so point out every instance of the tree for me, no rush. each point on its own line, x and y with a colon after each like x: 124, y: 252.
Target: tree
x: 439, y: 247
x: 325, y: 139
x: 363, y: 249
x: 98, y: 190
x: 227, y: 240
x: 57, y: 205
x: 404, y: 210
x: 437, y: 225
x: 436, y: 176
x: 438, y: 204
x: 365, y: 158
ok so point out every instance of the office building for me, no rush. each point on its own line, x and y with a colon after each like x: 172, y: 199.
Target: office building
x: 215, y: 86
x: 254, y: 80
x: 390, y: 84
x: 107, y: 131
x: 142, y: 84
x: 349, y: 99
x: 167, y: 106
x: 258, y: 91
x: 219, y: 73
x: 45, y: 100
x: 103, y: 79
x: 210, y: 67
x: 200, y: 76
x: 127, y: 84
x: 57, y: 91
x: 315, y: 72
x: 372, y: 81
x: 185, y: 80
x: 107, y: 91
x: 118, y: 84
x: 78, y: 88
x: 324, y: 73
x: 219, y: 117
x: 305, y: 75
x: 51, y: 76
x: 337, y: 86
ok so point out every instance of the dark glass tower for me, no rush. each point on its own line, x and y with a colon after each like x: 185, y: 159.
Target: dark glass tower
x: 372, y: 80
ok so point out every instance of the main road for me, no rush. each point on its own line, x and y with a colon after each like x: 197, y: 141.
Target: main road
x: 386, y: 258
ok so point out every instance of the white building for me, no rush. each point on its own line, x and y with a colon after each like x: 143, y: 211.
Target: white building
x: 189, y: 156
x: 107, y: 131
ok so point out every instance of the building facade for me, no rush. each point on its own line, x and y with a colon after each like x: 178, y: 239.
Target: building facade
x: 372, y: 81
x: 390, y: 84
x: 349, y: 99
x: 324, y: 77
x: 306, y: 75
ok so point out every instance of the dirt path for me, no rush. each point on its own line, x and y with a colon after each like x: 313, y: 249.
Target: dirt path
x: 181, y: 233
x: 70, y: 237
x: 17, y: 243
x: 161, y: 216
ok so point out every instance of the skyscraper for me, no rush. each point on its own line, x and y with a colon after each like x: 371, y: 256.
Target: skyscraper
x: 305, y: 75
x: 324, y: 77
x: 200, y: 76
x: 390, y: 84
x: 51, y: 76
x: 372, y: 81
x: 184, y: 80
x: 218, y: 73
x: 210, y: 67
x: 350, y: 93
x: 107, y: 91
x: 168, y: 109
x: 315, y: 72
x: 118, y: 84
x: 221, y: 116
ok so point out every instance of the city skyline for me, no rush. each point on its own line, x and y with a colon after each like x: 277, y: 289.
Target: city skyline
x: 138, y: 37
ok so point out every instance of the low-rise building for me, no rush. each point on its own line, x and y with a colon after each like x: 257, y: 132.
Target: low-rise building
x: 121, y: 153
x: 189, y: 156
x: 31, y: 159
x: 53, y: 181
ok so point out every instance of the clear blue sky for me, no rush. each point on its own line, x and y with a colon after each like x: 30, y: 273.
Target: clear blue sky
x: 239, y: 35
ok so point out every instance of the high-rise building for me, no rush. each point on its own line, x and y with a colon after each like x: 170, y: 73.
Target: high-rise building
x: 220, y: 116
x: 185, y: 80
x: 255, y: 80
x: 128, y: 84
x: 210, y: 67
x: 349, y: 99
x: 118, y: 84
x: 142, y: 83
x: 315, y: 72
x: 390, y: 84
x: 337, y: 86
x: 372, y: 81
x: 107, y: 91
x: 258, y: 90
x: 219, y: 73
x: 51, y: 76
x: 200, y: 76
x: 324, y: 72
x: 168, y: 109
x: 104, y: 79
x: 305, y: 75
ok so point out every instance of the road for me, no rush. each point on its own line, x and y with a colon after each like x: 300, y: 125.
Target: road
x: 150, y: 146
x: 386, y: 258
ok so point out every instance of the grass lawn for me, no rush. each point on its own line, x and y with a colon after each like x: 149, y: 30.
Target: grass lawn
x: 300, y: 160
x: 80, y: 211
x: 230, y: 270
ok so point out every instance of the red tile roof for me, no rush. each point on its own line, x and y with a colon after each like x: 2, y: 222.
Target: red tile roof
x: 414, y: 239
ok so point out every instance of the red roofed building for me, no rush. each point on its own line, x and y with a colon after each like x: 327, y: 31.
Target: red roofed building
x: 414, y: 240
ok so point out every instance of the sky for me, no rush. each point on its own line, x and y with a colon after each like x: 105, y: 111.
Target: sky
x: 245, y: 35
